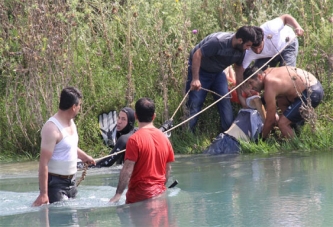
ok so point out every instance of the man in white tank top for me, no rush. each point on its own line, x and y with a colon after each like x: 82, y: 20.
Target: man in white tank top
x: 60, y: 151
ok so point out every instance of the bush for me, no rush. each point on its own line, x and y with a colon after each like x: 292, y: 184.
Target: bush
x: 116, y: 52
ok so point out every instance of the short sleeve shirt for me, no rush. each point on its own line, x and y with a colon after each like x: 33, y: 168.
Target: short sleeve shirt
x: 217, y: 52
x: 276, y: 36
x: 151, y: 150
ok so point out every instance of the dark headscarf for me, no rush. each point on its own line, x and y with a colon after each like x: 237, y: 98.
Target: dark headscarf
x: 130, y: 121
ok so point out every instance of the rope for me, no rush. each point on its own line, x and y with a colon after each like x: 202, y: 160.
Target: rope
x: 83, y: 175
x: 221, y: 97
x: 213, y: 92
x: 233, y: 89
x: 180, y: 104
x: 110, y: 155
x: 306, y: 110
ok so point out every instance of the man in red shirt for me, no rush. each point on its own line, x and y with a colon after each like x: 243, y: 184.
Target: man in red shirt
x: 148, y: 158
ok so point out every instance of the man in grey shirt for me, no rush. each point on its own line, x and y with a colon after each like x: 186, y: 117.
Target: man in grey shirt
x: 207, y: 61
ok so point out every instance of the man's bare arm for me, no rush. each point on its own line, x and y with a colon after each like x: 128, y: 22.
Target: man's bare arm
x: 124, y: 177
x: 85, y: 157
x: 270, y: 111
x: 50, y: 135
x: 289, y: 20
x: 196, y: 62
x: 239, y: 70
x: 167, y: 172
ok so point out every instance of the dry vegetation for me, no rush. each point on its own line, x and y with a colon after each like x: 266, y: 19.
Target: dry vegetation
x: 119, y: 51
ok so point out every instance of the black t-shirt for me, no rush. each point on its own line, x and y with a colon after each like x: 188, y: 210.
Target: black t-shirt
x: 218, y: 53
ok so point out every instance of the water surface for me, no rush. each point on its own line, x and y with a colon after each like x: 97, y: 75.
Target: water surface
x: 289, y: 189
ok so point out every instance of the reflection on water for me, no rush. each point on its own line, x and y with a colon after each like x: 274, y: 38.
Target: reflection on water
x: 293, y: 189
x: 152, y: 212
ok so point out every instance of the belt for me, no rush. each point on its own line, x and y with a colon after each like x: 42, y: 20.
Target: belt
x: 62, y: 176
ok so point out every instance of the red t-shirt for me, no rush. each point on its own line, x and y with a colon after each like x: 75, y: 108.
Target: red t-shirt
x: 151, y: 150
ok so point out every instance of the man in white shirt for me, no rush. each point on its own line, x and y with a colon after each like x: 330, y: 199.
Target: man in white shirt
x: 275, y: 36
x: 60, y: 151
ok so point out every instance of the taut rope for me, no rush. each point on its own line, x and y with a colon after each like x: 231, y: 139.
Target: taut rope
x: 233, y: 89
x: 306, y: 110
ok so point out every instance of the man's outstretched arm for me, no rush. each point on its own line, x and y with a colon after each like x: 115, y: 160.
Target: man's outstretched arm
x: 125, y: 175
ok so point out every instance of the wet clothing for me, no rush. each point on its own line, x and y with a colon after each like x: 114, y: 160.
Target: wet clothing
x: 217, y: 54
x: 293, y: 111
x: 121, y: 140
x: 250, y: 124
x: 63, y: 163
x: 119, y: 146
x: 224, y: 144
x: 151, y: 150
x: 60, y: 189
x: 64, y: 156
x: 276, y: 36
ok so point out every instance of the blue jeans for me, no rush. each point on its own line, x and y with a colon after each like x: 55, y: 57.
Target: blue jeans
x: 286, y: 57
x: 216, y: 82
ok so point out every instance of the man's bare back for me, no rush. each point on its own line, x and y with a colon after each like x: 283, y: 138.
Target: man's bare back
x: 287, y: 87
x: 287, y: 82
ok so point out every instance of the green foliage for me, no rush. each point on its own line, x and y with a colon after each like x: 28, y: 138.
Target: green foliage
x: 116, y: 52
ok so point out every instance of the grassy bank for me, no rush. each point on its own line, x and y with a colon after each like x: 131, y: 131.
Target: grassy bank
x: 119, y: 51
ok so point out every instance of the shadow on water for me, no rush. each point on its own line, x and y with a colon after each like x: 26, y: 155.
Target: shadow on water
x: 286, y: 189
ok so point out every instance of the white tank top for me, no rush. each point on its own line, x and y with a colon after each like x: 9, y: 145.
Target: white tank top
x: 64, y: 157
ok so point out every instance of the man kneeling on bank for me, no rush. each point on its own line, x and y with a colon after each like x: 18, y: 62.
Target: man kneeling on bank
x: 287, y: 87
x: 148, y: 158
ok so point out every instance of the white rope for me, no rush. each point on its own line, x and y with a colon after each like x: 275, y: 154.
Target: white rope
x: 236, y: 87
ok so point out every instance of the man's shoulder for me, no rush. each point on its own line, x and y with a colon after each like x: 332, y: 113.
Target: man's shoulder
x: 50, y: 132
x: 50, y: 126
x: 274, y: 79
x: 218, y: 37
x: 273, y: 24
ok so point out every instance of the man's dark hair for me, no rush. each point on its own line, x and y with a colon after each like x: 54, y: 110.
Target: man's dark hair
x: 247, y: 33
x: 68, y: 97
x: 259, y: 36
x: 249, y: 71
x: 145, y: 110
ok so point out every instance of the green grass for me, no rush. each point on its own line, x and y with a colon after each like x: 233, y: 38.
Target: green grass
x: 119, y: 52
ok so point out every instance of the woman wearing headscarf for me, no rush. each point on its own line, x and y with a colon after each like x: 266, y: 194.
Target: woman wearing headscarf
x: 125, y: 128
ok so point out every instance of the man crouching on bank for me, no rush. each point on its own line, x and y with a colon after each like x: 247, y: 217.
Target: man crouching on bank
x: 148, y: 158
x: 288, y: 87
